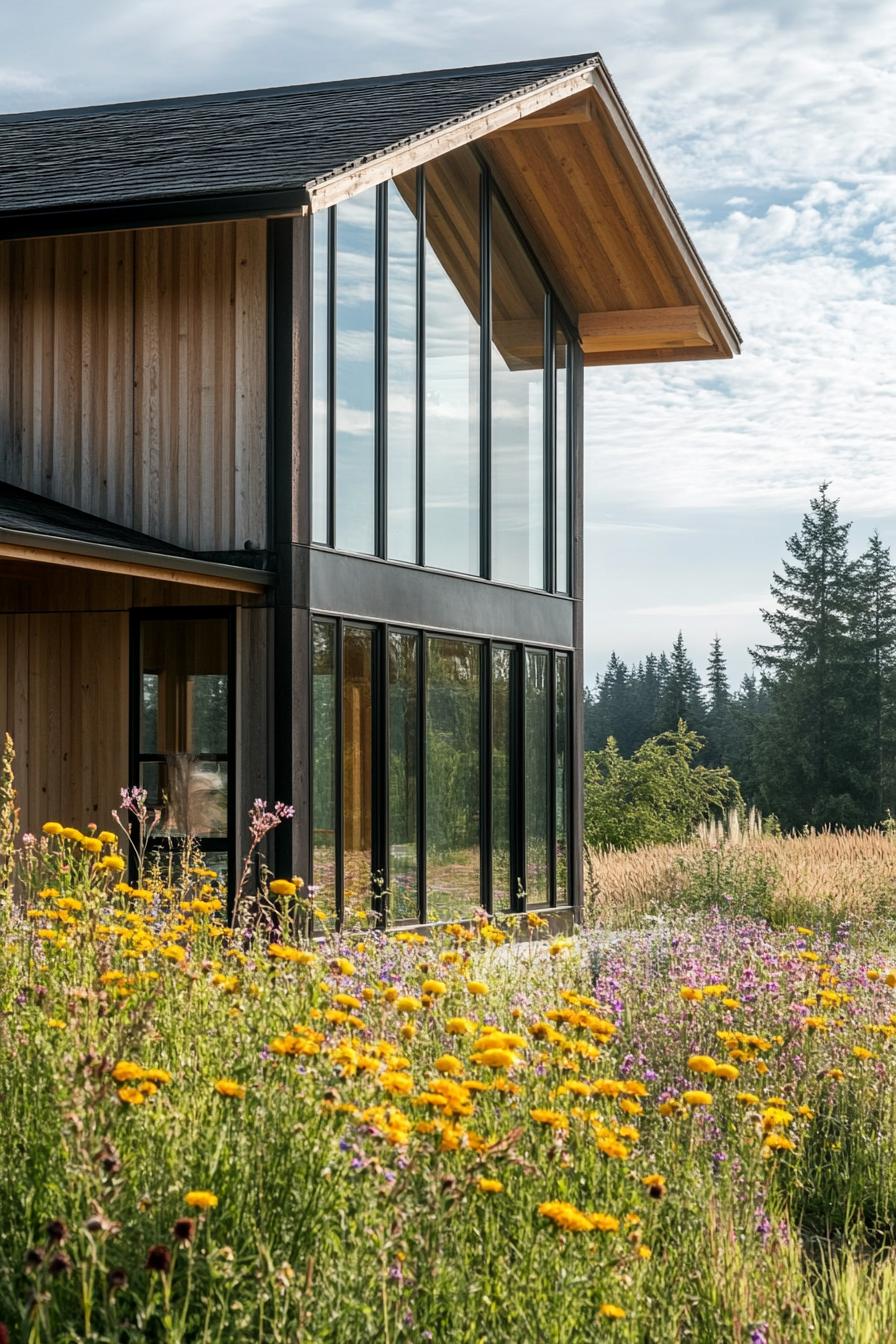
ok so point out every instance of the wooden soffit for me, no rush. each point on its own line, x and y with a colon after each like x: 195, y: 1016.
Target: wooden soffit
x: 580, y: 181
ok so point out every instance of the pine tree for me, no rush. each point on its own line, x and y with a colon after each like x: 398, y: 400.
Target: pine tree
x: 811, y: 763
x: 876, y: 629
x: 681, y: 695
x: 719, y: 709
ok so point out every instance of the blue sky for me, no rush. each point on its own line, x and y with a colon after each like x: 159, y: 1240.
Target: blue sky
x: 771, y: 122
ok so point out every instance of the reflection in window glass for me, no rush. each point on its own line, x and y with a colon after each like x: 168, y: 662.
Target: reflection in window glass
x: 562, y: 401
x: 357, y: 771
x: 403, y: 731
x: 355, y: 375
x: 183, y: 725
x: 517, y: 410
x: 323, y: 752
x: 319, y: 378
x: 537, y: 776
x: 452, y: 363
x: 401, y: 382
x: 452, y: 778
x: 562, y: 785
x: 502, y: 736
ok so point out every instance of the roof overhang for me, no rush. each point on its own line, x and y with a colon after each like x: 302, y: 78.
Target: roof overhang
x: 48, y: 549
x: 567, y: 156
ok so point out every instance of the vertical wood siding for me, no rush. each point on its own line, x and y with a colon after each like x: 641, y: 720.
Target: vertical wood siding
x: 133, y: 378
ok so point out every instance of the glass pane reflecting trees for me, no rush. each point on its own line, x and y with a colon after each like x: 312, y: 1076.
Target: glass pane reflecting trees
x: 403, y: 712
x: 562, y: 406
x: 537, y: 768
x: 355, y: 375
x: 323, y: 771
x: 452, y: 778
x: 561, y: 788
x: 452, y: 345
x: 502, y: 774
x: 517, y: 409
x: 320, y: 379
x: 357, y: 769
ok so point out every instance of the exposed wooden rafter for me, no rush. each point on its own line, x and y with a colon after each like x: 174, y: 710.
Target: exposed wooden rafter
x: 681, y: 328
x: 571, y: 114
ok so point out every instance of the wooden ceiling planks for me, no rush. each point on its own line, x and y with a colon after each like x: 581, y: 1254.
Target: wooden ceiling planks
x: 612, y: 241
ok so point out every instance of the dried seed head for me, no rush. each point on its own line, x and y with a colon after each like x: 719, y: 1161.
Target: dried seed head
x: 56, y: 1231
x: 158, y: 1258
x: 34, y: 1258
x: 59, y: 1264
x: 184, y: 1230
x: 117, y: 1279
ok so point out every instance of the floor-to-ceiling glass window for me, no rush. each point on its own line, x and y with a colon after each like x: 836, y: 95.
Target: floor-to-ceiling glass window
x: 357, y: 770
x: 537, y: 773
x: 182, y: 752
x: 561, y: 788
x: 355, y: 375
x: 502, y: 774
x: 320, y: 378
x: 453, y: 358
x: 323, y: 764
x: 401, y: 366
x: 403, y: 711
x: 562, y: 404
x: 453, y: 756
x: 517, y: 409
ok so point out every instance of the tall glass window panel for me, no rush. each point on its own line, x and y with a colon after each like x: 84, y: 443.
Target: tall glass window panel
x: 183, y: 726
x: 401, y: 380
x: 562, y: 402
x: 323, y: 765
x: 452, y: 308
x: 355, y: 375
x: 320, y: 467
x: 502, y: 773
x: 517, y: 410
x: 452, y: 778
x: 561, y: 832
x: 537, y: 776
x: 403, y: 742
x: 357, y: 772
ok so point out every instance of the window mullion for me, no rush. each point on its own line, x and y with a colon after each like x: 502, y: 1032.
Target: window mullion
x: 485, y: 379
x: 421, y: 366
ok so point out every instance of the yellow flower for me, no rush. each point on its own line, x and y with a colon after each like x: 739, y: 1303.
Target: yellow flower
x: 460, y: 1026
x: 56, y: 1023
x: 543, y: 1116
x: 476, y: 987
x: 611, y: 1311
x: 697, y: 1098
x: 535, y: 921
x: 747, y: 1098
x: 860, y: 1052
x: 690, y: 994
x: 487, y: 1186
x: 566, y: 1216
x: 560, y: 945
x: 107, y: 838
x: 51, y: 828
x: 727, y: 1071
x: 701, y: 1064
x: 281, y: 886
x: 644, y: 1252
x: 406, y: 936
x: 112, y: 862
x: 496, y: 1057
x: 493, y: 935
x: 449, y: 1064
x: 174, y: 952
x: 229, y: 1087
x: 201, y: 1199
x: 297, y: 954
x: 406, y: 1003
x: 343, y: 966
x: 655, y: 1185
x: 132, y: 1096
x: 71, y: 833
x: 434, y: 987
x: 604, y: 1222
x: 126, y: 1071
x: 777, y: 1143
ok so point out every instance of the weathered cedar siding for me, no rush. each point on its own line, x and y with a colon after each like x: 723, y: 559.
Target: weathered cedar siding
x: 133, y: 380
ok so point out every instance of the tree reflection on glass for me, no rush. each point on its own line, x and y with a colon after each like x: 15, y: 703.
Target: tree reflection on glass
x: 452, y: 778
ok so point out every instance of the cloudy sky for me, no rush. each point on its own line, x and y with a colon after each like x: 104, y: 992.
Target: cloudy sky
x: 772, y: 123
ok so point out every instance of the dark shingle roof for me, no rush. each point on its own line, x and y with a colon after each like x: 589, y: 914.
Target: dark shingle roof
x: 235, y: 144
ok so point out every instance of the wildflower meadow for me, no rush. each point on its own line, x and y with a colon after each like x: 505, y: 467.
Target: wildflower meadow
x: 221, y: 1130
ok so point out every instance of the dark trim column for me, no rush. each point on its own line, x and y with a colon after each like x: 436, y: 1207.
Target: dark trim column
x: 577, y: 683
x: 289, y: 437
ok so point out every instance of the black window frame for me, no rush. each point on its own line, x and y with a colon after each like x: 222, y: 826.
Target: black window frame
x: 380, y: 864
x: 139, y: 616
x: 555, y: 316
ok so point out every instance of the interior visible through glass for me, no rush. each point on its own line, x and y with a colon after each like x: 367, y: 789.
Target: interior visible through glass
x: 357, y: 771
x: 562, y: 782
x: 502, y: 738
x: 452, y: 778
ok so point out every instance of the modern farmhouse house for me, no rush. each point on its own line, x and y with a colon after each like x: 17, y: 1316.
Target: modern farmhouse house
x: 291, y: 455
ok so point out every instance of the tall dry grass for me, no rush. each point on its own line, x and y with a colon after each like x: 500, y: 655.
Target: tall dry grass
x: 825, y: 879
